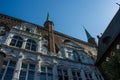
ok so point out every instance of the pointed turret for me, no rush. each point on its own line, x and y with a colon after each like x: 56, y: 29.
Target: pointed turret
x: 48, y: 17
x: 87, y: 34
x: 49, y: 26
x: 48, y: 23
x: 90, y: 39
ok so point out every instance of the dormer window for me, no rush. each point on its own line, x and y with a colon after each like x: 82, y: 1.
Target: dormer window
x: 27, y: 29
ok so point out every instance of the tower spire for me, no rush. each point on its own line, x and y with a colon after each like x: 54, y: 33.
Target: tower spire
x: 91, y: 40
x: 49, y: 26
x: 87, y: 34
x: 48, y: 17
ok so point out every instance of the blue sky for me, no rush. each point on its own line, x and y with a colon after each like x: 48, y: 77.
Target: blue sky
x: 69, y: 16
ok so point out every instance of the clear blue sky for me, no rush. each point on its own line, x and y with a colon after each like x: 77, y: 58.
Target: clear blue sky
x: 69, y: 16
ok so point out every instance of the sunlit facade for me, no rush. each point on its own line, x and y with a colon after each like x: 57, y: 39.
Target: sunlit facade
x: 36, y: 52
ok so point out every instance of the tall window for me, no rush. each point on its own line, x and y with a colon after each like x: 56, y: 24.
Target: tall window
x: 88, y: 76
x: 73, y: 55
x: 7, y: 70
x: 31, y: 45
x: 46, y: 73
x: 16, y: 41
x: 76, y: 75
x: 62, y: 74
x: 27, y: 72
x: 99, y: 77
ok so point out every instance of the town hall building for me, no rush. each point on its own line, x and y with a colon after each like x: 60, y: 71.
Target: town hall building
x: 35, y: 52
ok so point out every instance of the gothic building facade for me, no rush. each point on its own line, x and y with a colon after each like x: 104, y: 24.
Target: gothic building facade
x: 36, y: 52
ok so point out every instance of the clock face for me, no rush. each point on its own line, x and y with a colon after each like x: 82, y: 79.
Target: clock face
x: 2, y: 30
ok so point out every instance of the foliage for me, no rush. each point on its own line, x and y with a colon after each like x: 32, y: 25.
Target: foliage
x: 112, y: 67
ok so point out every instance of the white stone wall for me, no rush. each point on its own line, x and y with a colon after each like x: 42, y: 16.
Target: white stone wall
x: 40, y: 57
x: 49, y: 61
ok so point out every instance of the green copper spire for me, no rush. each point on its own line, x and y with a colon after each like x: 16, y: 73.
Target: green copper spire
x: 48, y: 17
x: 87, y: 34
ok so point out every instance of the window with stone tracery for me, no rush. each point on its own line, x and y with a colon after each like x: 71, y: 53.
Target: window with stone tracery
x: 62, y: 74
x: 16, y: 41
x: 88, y: 76
x: 72, y: 54
x: 99, y: 77
x: 31, y: 45
x: 7, y: 71
x: 27, y: 72
x: 46, y: 73
x: 76, y: 75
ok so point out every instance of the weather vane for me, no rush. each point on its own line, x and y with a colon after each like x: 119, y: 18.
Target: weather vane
x: 118, y: 4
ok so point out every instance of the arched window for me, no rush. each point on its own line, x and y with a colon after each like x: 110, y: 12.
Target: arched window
x: 76, y: 56
x: 73, y: 56
x: 16, y: 41
x: 27, y: 29
x: 31, y: 45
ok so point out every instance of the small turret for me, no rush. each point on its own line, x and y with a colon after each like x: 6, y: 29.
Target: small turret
x: 90, y: 39
x: 48, y: 17
x: 50, y: 28
x: 48, y: 23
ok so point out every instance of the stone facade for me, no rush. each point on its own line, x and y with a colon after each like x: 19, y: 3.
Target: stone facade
x: 39, y: 53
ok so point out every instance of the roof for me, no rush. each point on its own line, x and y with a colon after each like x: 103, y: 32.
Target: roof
x: 56, y: 32
x: 109, y: 36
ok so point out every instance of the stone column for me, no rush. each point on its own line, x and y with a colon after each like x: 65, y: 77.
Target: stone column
x: 39, y: 45
x: 24, y: 43
x: 93, y: 76
x: 70, y: 74
x: 8, y: 39
x: 38, y: 68
x: 83, y: 75
x: 18, y: 68
x: 55, y: 74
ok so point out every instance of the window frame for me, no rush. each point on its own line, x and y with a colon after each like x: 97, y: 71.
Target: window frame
x: 31, y: 45
x: 75, y: 76
x: 16, y: 41
x: 6, y: 67
x: 63, y: 75
x: 27, y: 69
x: 46, y: 73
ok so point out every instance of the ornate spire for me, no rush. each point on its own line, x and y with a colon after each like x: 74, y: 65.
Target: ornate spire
x: 48, y: 21
x: 91, y: 40
x: 87, y: 34
x: 48, y: 17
